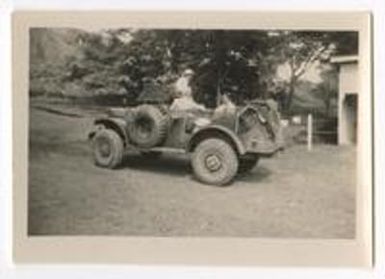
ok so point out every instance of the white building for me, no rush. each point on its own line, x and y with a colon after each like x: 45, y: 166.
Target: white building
x: 348, y: 95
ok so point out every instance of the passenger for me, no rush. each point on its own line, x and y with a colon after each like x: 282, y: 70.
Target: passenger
x: 226, y: 108
x: 184, y: 99
x: 184, y: 102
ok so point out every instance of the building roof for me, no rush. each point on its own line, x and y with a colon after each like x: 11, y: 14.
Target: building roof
x: 343, y: 59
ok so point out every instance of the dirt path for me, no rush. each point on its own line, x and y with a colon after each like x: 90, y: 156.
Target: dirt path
x: 296, y: 194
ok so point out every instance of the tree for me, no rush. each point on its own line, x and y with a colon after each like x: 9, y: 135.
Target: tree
x: 224, y: 60
x: 300, y: 50
x: 240, y: 63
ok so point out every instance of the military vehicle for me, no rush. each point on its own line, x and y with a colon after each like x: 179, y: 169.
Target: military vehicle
x: 220, y: 147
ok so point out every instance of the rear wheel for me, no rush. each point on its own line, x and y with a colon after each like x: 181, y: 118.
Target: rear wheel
x: 215, y: 162
x: 107, y: 148
x: 247, y: 163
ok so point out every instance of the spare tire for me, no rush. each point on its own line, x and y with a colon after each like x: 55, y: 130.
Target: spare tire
x: 148, y: 127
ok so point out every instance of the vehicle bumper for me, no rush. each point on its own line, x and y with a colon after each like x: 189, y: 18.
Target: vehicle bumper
x: 266, y: 148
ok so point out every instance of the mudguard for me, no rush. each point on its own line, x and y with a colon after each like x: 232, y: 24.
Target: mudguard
x: 116, y: 124
x: 216, y: 131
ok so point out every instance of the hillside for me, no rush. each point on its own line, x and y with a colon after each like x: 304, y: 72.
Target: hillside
x: 54, y: 46
x: 67, y: 62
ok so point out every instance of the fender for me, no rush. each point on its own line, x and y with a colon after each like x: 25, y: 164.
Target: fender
x: 216, y: 131
x: 116, y: 124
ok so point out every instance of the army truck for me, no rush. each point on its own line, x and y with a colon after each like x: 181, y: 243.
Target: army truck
x: 219, y: 147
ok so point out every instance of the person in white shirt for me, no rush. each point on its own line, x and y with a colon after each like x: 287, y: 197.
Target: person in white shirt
x: 185, y: 103
x: 183, y: 84
x: 184, y: 100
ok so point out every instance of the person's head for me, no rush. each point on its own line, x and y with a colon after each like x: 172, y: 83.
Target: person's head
x: 188, y: 73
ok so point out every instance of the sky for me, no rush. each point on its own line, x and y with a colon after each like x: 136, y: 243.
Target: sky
x: 312, y: 74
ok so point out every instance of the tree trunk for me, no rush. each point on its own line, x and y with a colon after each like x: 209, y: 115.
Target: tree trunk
x: 290, y: 94
x: 220, y: 59
x: 218, y: 91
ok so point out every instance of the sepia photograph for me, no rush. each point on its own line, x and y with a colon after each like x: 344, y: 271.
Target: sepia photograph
x: 129, y: 127
x: 195, y: 132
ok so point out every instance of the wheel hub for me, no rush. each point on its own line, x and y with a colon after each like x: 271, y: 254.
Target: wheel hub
x: 213, y: 163
x: 104, y: 148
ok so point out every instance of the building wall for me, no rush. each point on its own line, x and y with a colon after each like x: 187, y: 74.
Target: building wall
x: 348, y: 80
x: 348, y: 86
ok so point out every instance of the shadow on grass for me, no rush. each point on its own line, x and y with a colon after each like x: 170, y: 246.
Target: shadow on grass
x: 181, y: 166
x: 175, y: 166
x: 258, y: 174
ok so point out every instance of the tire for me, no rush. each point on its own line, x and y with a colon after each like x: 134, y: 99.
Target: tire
x: 151, y: 154
x: 215, y: 162
x: 107, y: 149
x: 148, y: 127
x: 247, y: 163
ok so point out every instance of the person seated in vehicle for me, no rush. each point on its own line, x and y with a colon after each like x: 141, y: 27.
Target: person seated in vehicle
x: 225, y: 112
x: 184, y: 98
x: 185, y: 103
x: 226, y: 107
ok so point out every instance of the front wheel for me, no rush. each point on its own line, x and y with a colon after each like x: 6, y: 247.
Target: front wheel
x: 107, y: 149
x: 215, y: 162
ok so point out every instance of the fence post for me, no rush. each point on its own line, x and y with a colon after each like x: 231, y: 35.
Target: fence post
x: 309, y: 131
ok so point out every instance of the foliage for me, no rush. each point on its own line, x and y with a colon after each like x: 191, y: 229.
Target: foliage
x: 299, y: 51
x: 240, y: 63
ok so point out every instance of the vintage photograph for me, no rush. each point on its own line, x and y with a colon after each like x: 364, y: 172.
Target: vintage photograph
x: 193, y: 132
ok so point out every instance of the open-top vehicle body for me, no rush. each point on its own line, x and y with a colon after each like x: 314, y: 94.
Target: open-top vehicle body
x: 220, y: 145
